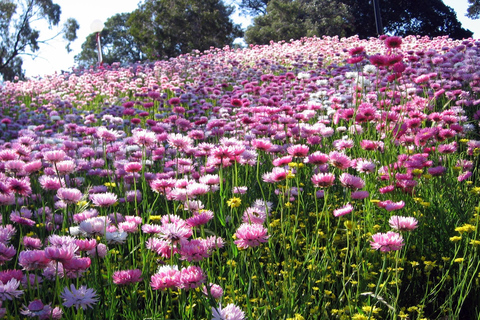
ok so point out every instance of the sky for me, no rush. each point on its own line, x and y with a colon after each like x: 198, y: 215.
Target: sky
x: 53, y: 57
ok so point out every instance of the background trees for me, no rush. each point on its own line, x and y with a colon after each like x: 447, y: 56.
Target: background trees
x: 287, y: 19
x: 118, y: 44
x: 18, y: 36
x: 297, y: 18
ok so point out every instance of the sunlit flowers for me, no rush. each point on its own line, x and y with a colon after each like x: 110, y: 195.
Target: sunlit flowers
x: 385, y: 242
x: 403, y: 223
x: 250, y: 235
x: 230, y: 312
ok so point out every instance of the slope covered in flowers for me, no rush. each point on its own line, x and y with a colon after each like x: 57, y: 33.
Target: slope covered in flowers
x: 318, y: 178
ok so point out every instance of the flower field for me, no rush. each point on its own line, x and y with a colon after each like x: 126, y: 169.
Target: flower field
x: 321, y: 178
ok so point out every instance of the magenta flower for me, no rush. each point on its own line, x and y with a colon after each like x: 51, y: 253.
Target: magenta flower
x: 298, y: 150
x: 323, y: 180
x: 352, y: 182
x: 191, y: 277
x: 125, y: 277
x: 166, y: 277
x: 33, y: 259
x: 250, y: 235
x: 6, y: 253
x: 36, y: 308
x: 390, y: 241
x: 403, y: 223
x: 80, y: 298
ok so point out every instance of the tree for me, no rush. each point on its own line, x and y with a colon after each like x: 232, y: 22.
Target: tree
x: 254, y: 7
x: 118, y: 45
x: 406, y: 17
x: 351, y: 17
x: 167, y: 28
x: 473, y: 11
x: 18, y: 36
x: 287, y: 19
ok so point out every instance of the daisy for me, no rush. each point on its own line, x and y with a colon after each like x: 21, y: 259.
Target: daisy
x: 82, y: 297
x: 250, y: 235
x: 230, y: 312
x: 390, y: 241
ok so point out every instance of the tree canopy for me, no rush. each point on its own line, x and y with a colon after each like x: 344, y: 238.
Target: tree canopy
x: 473, y: 11
x: 18, y: 36
x: 285, y: 19
x: 167, y: 28
x: 118, y: 45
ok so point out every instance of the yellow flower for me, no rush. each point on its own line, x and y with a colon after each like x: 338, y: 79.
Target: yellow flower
x: 288, y: 205
x: 465, y: 228
x: 358, y: 316
x: 290, y: 175
x: 475, y: 243
x: 234, y: 202
x: 458, y: 260
x: 455, y: 238
x: 475, y: 191
x: 109, y: 184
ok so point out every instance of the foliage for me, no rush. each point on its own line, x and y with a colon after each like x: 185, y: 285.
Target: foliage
x: 18, y: 36
x: 297, y: 18
x: 286, y: 19
x: 118, y: 45
x: 473, y: 11
x: 254, y: 7
x: 168, y: 28
x: 406, y: 17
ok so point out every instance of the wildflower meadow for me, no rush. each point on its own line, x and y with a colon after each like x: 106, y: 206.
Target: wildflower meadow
x: 320, y: 178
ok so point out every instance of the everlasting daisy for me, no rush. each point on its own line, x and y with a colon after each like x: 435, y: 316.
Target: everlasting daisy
x: 103, y: 199
x: 80, y: 298
x: 166, y: 277
x: 230, y: 312
x: 250, y: 235
x: 403, y: 223
x: 390, y: 241
x: 125, y: 277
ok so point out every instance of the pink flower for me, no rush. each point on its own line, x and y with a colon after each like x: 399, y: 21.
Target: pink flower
x: 69, y: 195
x: 317, y: 158
x: 359, y: 195
x: 61, y: 254
x: 323, y: 180
x: 166, y: 277
x: 352, y: 182
x: 191, y: 277
x: 389, y: 205
x: 33, y: 259
x: 250, y: 235
x: 80, y: 298
x: 385, y: 242
x: 346, y: 209
x: 230, y: 312
x: 403, y: 223
x: 339, y: 160
x: 103, y: 199
x: 214, y: 290
x: 298, y: 150
x: 175, y: 232
x: 132, y: 167
x: 6, y: 253
x: 125, y: 277
x: 54, y: 156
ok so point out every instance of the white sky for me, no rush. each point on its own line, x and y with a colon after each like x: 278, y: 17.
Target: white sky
x: 53, y: 57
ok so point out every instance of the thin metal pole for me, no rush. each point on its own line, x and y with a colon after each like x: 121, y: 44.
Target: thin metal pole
x: 378, y: 18
x: 99, y: 49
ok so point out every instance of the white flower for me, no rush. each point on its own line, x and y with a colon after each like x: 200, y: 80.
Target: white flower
x: 116, y: 237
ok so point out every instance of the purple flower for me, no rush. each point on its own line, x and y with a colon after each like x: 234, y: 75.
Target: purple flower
x: 80, y: 298
x: 8, y: 290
